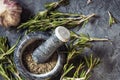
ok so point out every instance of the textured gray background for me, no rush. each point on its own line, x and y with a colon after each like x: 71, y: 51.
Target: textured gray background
x: 109, y: 68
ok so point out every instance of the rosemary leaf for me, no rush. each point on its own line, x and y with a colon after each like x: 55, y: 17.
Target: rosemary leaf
x: 7, y: 67
x: 67, y: 70
x: 3, y: 73
x: 112, y: 20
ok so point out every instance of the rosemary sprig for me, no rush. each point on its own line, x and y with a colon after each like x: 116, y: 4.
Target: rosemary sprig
x: 49, y: 8
x: 53, y: 21
x: 7, y: 67
x: 51, y: 18
x: 81, y: 73
x: 112, y: 20
x: 76, y: 47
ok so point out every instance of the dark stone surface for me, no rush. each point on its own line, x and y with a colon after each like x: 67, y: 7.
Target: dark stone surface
x: 109, y: 68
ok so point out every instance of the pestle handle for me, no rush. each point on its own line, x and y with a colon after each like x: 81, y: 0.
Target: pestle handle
x: 46, y: 49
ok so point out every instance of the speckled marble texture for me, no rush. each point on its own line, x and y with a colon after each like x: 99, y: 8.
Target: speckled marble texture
x: 109, y: 68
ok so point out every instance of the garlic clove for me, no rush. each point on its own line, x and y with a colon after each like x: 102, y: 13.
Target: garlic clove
x: 11, y: 20
x: 2, y: 7
x: 0, y: 20
x: 10, y: 13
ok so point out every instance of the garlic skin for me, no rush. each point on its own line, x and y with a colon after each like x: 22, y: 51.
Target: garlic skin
x: 10, y: 13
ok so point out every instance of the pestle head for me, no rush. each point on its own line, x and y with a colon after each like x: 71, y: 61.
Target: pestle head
x: 62, y: 33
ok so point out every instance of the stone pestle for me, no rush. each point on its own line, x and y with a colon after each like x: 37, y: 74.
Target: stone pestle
x: 46, y: 49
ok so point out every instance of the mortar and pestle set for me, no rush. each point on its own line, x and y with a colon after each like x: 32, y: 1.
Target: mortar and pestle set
x: 37, y: 56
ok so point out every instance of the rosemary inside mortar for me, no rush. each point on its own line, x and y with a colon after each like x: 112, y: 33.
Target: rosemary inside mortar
x: 33, y: 67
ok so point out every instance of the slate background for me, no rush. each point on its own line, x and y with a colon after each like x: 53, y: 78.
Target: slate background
x: 109, y: 68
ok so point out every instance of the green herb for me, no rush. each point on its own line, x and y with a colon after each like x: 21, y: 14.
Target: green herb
x: 76, y: 47
x: 54, y: 20
x: 84, y: 23
x: 7, y: 67
x: 81, y: 72
x: 51, y: 18
x: 112, y: 20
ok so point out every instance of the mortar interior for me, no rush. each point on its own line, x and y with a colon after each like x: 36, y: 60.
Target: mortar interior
x: 33, y: 67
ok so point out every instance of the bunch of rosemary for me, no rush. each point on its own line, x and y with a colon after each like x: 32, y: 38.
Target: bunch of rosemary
x: 75, y: 48
x: 51, y: 18
x: 7, y: 67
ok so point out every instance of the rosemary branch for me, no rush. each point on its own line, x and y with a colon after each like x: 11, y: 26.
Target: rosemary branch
x: 51, y: 18
x: 81, y: 72
x: 6, y: 61
x: 77, y: 45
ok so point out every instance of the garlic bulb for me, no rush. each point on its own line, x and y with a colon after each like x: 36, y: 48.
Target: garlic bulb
x: 10, y: 13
